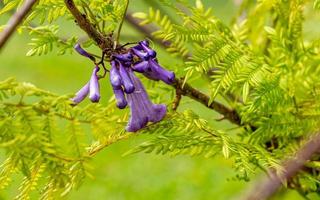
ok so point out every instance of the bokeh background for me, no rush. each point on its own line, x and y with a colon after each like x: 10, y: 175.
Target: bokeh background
x: 139, y: 176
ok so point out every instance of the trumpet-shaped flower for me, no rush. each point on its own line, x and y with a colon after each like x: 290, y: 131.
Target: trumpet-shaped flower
x: 81, y: 94
x: 94, y: 87
x: 142, y: 109
x: 83, y: 52
x: 126, y: 81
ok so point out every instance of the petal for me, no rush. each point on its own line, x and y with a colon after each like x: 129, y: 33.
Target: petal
x: 140, y: 53
x: 152, y: 53
x: 159, y: 73
x: 126, y: 81
x: 126, y: 57
x: 83, y: 52
x: 142, y: 110
x: 81, y: 94
x: 94, y: 88
x: 121, y: 100
x: 115, y: 78
x: 141, y: 67
x: 145, y: 42
x: 160, y: 111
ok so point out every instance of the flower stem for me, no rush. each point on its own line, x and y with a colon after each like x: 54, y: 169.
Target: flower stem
x: 121, y: 23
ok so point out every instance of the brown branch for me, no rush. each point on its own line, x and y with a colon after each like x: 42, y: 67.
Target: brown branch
x: 177, y: 99
x: 15, y: 20
x: 187, y: 90
x: 270, y: 184
x: 102, y: 41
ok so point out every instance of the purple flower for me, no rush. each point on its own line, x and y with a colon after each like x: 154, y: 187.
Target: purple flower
x: 125, y: 79
x: 116, y: 82
x: 149, y: 65
x: 156, y: 73
x: 145, y: 42
x: 121, y: 100
x: 152, y: 70
x: 94, y: 88
x: 138, y: 51
x: 127, y: 57
x: 81, y: 94
x: 141, y: 67
x: 142, y: 109
x: 145, y: 46
x: 115, y: 78
x: 81, y: 51
x: 127, y: 88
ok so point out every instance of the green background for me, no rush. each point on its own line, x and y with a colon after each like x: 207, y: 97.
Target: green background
x: 140, y: 176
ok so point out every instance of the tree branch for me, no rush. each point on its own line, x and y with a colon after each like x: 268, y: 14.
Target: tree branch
x: 15, y: 20
x: 187, y: 90
x: 266, y: 187
x: 102, y: 41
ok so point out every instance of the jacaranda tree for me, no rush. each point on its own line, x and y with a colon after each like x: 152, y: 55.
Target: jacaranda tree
x: 261, y: 74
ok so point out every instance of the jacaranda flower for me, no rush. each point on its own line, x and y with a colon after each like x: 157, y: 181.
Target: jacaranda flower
x: 126, y: 58
x: 156, y: 72
x: 83, y: 52
x: 81, y: 94
x: 121, y: 100
x: 116, y: 82
x: 145, y: 46
x: 92, y: 88
x: 149, y: 65
x: 127, y: 88
x: 126, y: 81
x: 142, y: 109
x: 138, y: 51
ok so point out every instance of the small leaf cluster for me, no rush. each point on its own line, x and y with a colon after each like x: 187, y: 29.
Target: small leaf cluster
x: 42, y: 136
x: 262, y: 65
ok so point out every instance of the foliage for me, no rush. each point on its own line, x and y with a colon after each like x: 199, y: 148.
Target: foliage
x: 261, y: 65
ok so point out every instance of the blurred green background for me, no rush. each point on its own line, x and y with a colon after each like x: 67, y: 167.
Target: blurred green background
x: 140, y: 176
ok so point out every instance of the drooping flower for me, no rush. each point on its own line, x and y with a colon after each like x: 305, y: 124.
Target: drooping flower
x: 126, y: 57
x: 81, y: 94
x: 115, y: 78
x: 83, y: 52
x: 126, y: 81
x: 116, y: 81
x: 149, y: 65
x: 142, y: 109
x: 145, y: 46
x: 138, y: 51
x: 156, y: 72
x: 94, y: 87
x: 121, y: 100
x: 127, y: 88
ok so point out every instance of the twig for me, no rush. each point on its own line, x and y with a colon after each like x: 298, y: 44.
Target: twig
x: 270, y: 184
x: 189, y: 91
x: 15, y: 20
x: 93, y: 152
x: 186, y: 90
x: 176, y: 100
x: 121, y: 23
x: 84, y: 23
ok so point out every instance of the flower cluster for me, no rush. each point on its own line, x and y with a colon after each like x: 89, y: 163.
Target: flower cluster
x: 127, y: 87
